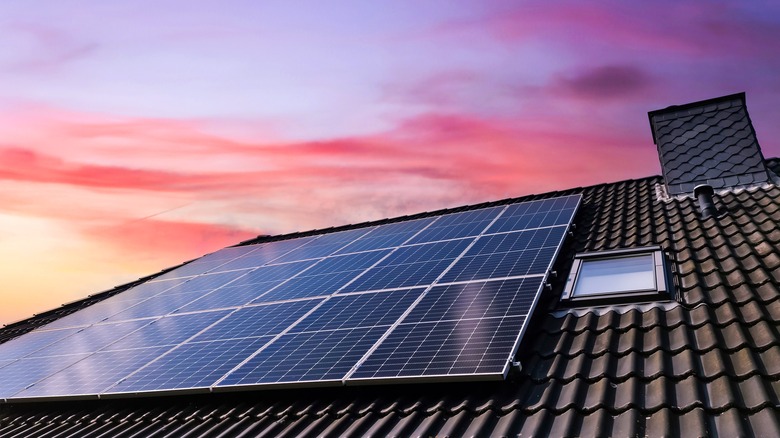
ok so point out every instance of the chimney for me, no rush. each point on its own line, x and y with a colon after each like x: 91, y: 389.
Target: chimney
x: 711, y: 142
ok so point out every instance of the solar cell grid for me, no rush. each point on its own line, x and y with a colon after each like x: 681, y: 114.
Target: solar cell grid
x: 398, y: 276
x: 410, y: 266
x: 93, y: 314
x: 265, y: 254
x: 170, y: 330
x: 206, y: 282
x: 306, y: 287
x: 387, y: 236
x: 500, y: 265
x: 457, y: 225
x: 306, y: 357
x: 345, y: 263
x: 484, y: 299
x: 470, y: 346
x: 350, y: 311
x: 148, y: 290
x: 191, y: 365
x: 228, y: 296
x: 90, y: 339
x: 325, y: 245
x: 93, y: 374
x: 257, y: 321
x: 535, y: 214
x: 209, y: 262
x: 22, y: 373
x: 32, y: 342
x: 156, y: 306
x: 273, y: 273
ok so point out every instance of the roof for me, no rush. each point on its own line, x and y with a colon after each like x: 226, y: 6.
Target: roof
x: 709, y: 142
x: 705, y: 363
x: 708, y: 365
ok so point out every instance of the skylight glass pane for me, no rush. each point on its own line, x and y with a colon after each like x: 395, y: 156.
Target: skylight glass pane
x: 622, y: 274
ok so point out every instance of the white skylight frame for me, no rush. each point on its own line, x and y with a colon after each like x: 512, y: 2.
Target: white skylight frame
x: 652, y: 283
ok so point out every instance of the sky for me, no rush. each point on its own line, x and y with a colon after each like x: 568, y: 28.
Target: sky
x: 135, y: 135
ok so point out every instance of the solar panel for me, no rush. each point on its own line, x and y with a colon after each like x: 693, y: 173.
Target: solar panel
x: 441, y: 297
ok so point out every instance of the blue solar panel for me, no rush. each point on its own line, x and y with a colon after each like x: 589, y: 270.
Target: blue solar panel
x: 444, y: 348
x: 518, y: 253
x: 229, y: 296
x: 91, y: 339
x: 323, y: 246
x: 257, y: 321
x: 263, y: 254
x: 170, y: 330
x: 192, y: 365
x: 307, y: 357
x: 18, y: 375
x: 534, y: 214
x: 410, y: 266
x: 387, y: 236
x: 209, y: 262
x: 32, y: 342
x: 350, y: 311
x: 93, y: 374
x: 456, y: 225
x: 95, y: 313
x: 156, y: 306
x: 442, y: 296
x: 484, y: 299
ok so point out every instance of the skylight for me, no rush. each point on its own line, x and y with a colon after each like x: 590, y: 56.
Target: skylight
x: 627, y: 274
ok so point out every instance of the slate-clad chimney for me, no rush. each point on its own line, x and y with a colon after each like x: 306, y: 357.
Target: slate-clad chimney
x: 709, y: 142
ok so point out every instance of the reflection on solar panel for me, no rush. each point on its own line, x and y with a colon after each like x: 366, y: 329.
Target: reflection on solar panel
x: 442, y: 297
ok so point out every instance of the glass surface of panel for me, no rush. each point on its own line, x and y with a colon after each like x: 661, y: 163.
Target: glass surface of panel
x: 398, y: 276
x: 470, y: 346
x: 170, y: 330
x: 205, y: 283
x: 156, y: 306
x: 91, y: 339
x: 387, y: 236
x: 257, y: 321
x: 507, y: 264
x: 458, y: 225
x: 22, y: 373
x: 32, y: 342
x: 226, y: 297
x: 191, y: 365
x: 350, y: 311
x: 93, y: 374
x: 476, y: 300
x: 306, y: 357
x: 307, y: 287
x: 410, y: 266
x: 323, y: 246
x: 620, y: 274
x: 534, y: 214
x: 345, y: 263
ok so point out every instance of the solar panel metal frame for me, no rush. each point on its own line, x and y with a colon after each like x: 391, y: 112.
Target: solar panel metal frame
x: 347, y: 379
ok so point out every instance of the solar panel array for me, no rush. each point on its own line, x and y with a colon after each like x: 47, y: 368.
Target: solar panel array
x: 443, y: 297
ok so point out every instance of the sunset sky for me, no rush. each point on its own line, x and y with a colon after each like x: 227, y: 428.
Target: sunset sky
x: 135, y: 135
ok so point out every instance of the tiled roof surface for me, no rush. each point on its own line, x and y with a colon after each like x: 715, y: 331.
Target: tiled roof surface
x: 707, y: 366
x: 712, y: 143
